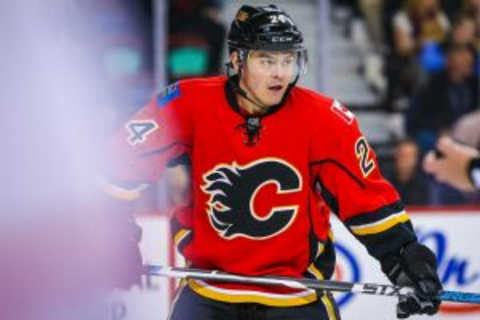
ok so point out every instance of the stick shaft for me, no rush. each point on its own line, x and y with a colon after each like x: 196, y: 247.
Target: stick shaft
x: 304, y: 283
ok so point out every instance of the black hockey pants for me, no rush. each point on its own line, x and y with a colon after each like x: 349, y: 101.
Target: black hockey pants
x: 190, y: 306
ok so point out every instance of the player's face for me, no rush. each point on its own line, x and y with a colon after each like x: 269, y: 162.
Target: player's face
x: 267, y: 74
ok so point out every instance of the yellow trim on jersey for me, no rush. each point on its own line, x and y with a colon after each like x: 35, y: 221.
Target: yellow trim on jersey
x: 180, y: 235
x: 320, y: 249
x: 329, y: 306
x: 380, y: 226
x: 315, y: 272
x: 244, y: 296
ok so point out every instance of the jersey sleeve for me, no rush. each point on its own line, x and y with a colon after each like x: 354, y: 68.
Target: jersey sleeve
x: 346, y: 167
x: 142, y: 148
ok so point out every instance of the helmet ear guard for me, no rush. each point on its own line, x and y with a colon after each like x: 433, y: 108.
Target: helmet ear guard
x: 302, y: 62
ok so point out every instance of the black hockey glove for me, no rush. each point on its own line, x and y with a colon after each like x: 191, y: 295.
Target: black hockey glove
x: 414, y: 266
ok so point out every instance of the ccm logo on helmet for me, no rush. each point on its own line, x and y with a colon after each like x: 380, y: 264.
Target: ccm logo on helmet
x: 281, y: 39
x: 232, y: 189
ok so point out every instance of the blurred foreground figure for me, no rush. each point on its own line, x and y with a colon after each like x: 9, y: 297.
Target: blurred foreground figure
x: 62, y: 246
x: 455, y: 164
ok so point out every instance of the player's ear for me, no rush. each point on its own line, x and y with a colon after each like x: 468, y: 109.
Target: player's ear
x: 234, y: 59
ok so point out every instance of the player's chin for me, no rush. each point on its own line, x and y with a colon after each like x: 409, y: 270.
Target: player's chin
x: 274, y: 98
x: 271, y: 102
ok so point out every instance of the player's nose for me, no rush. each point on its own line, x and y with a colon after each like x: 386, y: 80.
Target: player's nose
x: 278, y: 71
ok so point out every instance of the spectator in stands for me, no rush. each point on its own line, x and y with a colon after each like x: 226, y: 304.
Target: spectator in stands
x: 451, y: 8
x: 467, y: 132
x: 463, y: 33
x: 458, y: 165
x: 406, y: 176
x: 196, y: 37
x: 463, y: 29
x: 459, y: 98
x: 447, y: 96
x: 419, y: 23
x: 473, y: 7
x: 372, y: 13
x: 419, y: 26
x: 389, y: 9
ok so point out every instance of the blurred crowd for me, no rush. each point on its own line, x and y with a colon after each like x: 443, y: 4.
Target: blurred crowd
x: 421, y: 58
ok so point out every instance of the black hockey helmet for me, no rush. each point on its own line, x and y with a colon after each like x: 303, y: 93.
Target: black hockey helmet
x: 266, y: 28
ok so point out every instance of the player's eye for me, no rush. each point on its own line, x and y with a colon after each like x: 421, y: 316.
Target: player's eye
x: 267, y: 62
x: 288, y: 61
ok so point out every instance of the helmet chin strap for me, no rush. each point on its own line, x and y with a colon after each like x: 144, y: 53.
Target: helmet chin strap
x: 244, y: 95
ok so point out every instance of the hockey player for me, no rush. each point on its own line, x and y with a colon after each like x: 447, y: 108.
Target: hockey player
x: 258, y: 145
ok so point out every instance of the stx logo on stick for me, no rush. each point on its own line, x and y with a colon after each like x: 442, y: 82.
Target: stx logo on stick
x: 380, y: 289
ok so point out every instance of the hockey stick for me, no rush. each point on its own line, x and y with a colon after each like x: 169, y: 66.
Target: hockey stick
x: 304, y: 283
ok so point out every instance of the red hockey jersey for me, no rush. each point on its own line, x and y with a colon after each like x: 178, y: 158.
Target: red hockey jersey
x: 252, y: 203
